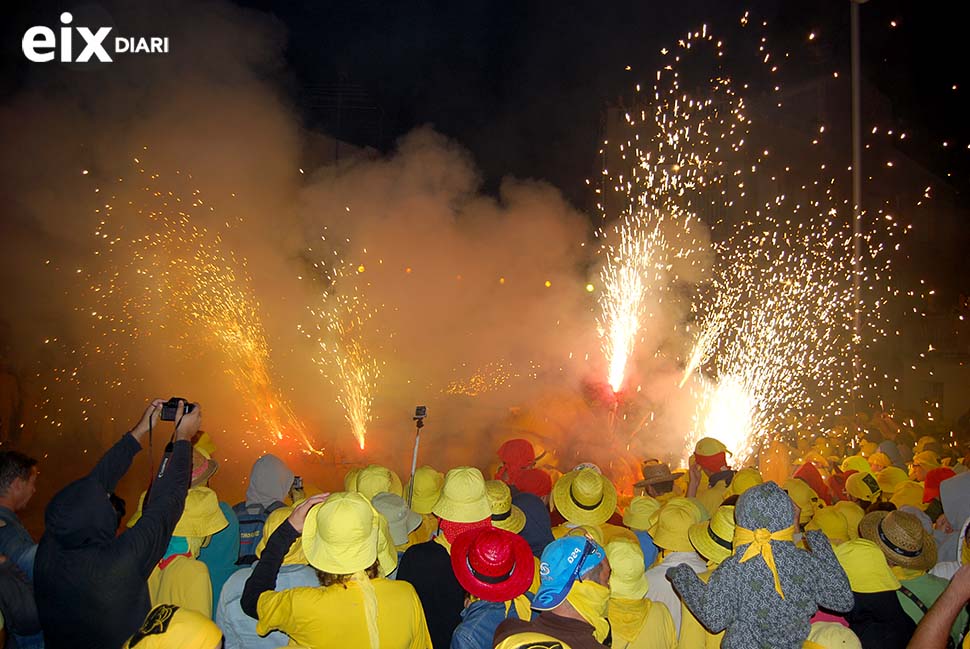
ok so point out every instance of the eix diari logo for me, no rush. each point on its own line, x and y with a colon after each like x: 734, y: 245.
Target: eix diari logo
x: 42, y: 44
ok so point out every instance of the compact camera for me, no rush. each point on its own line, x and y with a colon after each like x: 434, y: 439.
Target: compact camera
x: 170, y: 407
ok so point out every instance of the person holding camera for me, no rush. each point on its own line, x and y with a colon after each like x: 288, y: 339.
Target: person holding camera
x: 91, y: 586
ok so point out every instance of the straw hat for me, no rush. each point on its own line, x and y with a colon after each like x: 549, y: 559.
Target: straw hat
x: 654, y: 472
x: 203, y: 467
x: 803, y: 496
x: 901, y: 538
x: 853, y: 516
x: 641, y: 513
x: 863, y: 486
x: 832, y: 523
x: 505, y: 515
x: 463, y: 498
x: 401, y: 521
x: 427, y: 487
x: 202, y: 515
x: 890, y: 478
x: 856, y: 463
x: 376, y: 479
x: 673, y: 522
x: 831, y: 635
x: 714, y: 539
x: 585, y: 496
x: 340, y: 536
x: 865, y: 566
x: 276, y: 517
x: 628, y: 580
x: 493, y: 564
x: 908, y: 493
x: 744, y: 480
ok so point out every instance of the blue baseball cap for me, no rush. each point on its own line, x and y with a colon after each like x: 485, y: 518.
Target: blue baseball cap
x: 562, y: 563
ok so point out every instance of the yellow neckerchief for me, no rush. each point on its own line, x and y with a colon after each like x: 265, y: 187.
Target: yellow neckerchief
x: 523, y: 607
x: 627, y: 616
x: 760, y: 544
x: 591, y: 600
x: 905, y: 574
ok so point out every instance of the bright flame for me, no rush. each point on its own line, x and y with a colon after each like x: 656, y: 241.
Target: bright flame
x: 729, y: 418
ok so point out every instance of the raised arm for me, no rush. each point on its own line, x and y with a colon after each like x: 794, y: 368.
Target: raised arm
x: 933, y: 630
x: 114, y: 464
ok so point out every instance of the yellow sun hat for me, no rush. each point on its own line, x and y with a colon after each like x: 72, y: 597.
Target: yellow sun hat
x: 832, y: 523
x: 628, y: 580
x: 350, y: 480
x: 927, y: 460
x: 866, y: 567
x: 714, y: 539
x: 803, y: 496
x: 744, y: 480
x: 275, y: 518
x: 505, y: 515
x: 674, y: 520
x: 867, y: 448
x: 856, y: 463
x: 585, y: 497
x: 340, y: 535
x: 853, y: 516
x: 427, y: 488
x: 376, y: 479
x: 890, y: 478
x: 863, y: 486
x: 879, y: 462
x: 831, y: 635
x: 709, y: 446
x: 463, y: 498
x: 202, y: 515
x: 910, y: 493
x: 641, y: 513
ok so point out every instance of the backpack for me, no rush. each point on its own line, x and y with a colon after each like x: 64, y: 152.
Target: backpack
x: 251, y: 521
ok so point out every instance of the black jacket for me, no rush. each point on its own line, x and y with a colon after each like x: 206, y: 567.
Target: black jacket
x: 91, y: 587
x: 427, y: 567
x: 880, y: 621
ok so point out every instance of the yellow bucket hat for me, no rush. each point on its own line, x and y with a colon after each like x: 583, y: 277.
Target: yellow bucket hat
x: 865, y: 566
x: 673, y: 523
x: 923, y: 442
x: 831, y: 635
x: 628, y: 580
x: 427, y: 488
x: 505, y: 515
x: 856, y: 463
x: 340, y: 535
x: 744, y: 480
x: 463, y: 498
x: 890, y: 478
x: 832, y: 523
x: 803, y: 496
x: 585, y: 497
x: 294, y: 556
x: 909, y: 492
x: 927, y: 459
x: 641, y: 513
x: 863, y: 486
x: 205, y: 444
x: 879, y: 462
x: 170, y: 627
x: 350, y: 480
x: 714, y: 539
x: 377, y: 479
x: 867, y: 448
x: 202, y: 515
x: 853, y: 516
x: 709, y: 446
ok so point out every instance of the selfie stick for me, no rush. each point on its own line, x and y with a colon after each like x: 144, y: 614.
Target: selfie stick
x: 418, y: 425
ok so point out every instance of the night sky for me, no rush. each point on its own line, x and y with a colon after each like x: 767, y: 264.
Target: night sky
x: 523, y: 85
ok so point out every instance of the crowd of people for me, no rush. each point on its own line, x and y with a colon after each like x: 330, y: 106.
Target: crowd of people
x: 841, y: 541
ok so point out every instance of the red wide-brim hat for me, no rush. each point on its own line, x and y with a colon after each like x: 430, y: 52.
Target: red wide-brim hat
x: 491, y: 587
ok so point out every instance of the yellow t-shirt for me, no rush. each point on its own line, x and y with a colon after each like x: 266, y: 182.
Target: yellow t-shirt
x: 656, y: 627
x: 184, y: 582
x: 692, y: 632
x: 334, y: 616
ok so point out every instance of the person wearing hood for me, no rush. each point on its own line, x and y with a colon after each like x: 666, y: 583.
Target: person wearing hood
x: 572, y: 600
x: 270, y: 481
x: 710, y: 475
x: 496, y: 568
x: 91, y: 586
x: 910, y: 551
x: 239, y: 628
x: 537, y: 530
x: 765, y: 594
x: 952, y: 530
x: 636, y: 622
x: 355, y: 605
x: 462, y: 506
x: 877, y: 616
x: 639, y: 516
x: 180, y: 578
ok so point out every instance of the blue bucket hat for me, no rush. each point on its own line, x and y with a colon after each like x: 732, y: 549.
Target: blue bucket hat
x: 563, y: 562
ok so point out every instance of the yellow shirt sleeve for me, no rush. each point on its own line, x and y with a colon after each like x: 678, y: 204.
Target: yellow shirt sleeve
x: 274, y: 610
